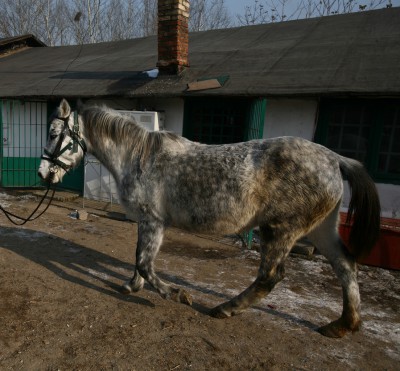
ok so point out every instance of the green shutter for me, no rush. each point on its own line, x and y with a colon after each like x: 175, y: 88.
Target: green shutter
x: 255, y: 119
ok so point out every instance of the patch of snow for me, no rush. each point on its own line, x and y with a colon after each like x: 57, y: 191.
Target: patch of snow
x: 97, y: 274
x: 26, y: 197
x: 382, y: 329
x: 5, y: 205
x: 152, y: 73
x: 28, y: 235
x: 5, y: 196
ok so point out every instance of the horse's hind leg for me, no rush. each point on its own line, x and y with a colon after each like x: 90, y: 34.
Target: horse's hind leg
x: 150, y: 236
x: 326, y: 239
x: 274, y: 250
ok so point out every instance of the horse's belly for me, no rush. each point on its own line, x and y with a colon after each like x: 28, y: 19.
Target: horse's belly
x: 214, y: 219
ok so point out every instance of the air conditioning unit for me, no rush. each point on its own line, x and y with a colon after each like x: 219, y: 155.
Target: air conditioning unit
x: 151, y: 120
x: 99, y: 183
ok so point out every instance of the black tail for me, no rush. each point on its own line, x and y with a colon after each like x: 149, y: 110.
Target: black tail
x: 364, y: 208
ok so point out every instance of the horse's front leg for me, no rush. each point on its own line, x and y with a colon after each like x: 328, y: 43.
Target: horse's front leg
x: 133, y: 285
x: 150, y: 236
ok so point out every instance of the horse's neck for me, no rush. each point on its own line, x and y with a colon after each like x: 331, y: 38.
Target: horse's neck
x: 116, y: 157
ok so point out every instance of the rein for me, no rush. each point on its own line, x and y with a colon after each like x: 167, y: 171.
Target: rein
x: 31, y: 217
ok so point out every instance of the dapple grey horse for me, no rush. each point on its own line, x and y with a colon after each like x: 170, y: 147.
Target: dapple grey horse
x: 288, y: 187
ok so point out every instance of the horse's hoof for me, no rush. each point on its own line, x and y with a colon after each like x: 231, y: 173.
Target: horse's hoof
x: 217, y: 312
x: 125, y: 289
x: 339, y: 328
x: 185, y: 297
x: 181, y: 296
x: 333, y: 330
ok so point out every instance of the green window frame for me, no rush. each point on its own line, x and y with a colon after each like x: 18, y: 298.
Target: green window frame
x: 219, y: 120
x: 365, y: 129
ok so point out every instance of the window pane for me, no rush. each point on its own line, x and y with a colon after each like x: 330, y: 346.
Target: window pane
x: 349, y: 131
x: 385, y: 140
x: 350, y: 137
x: 334, y: 137
x: 337, y: 115
x: 389, y: 148
x: 396, y: 141
x: 353, y: 115
x: 388, y: 117
x: 366, y: 130
x: 382, y: 165
x: 394, y: 164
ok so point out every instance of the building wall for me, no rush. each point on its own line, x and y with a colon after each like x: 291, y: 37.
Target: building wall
x: 290, y: 117
x: 297, y: 117
x: 389, y: 196
x: 172, y: 109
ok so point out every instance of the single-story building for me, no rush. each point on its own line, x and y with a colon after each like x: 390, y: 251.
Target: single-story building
x: 334, y: 80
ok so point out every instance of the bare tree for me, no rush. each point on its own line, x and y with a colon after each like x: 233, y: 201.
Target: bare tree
x: 266, y: 11
x: 55, y: 25
x: 64, y: 22
x: 208, y: 15
x: 149, y: 17
x: 122, y: 20
x: 43, y: 18
x: 85, y: 19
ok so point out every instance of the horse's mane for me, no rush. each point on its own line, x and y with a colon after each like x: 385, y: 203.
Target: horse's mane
x: 104, y: 123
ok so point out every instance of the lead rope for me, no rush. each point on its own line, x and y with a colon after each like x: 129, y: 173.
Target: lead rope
x: 31, y: 217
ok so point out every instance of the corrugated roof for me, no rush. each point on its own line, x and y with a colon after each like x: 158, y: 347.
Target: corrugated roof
x: 356, y: 53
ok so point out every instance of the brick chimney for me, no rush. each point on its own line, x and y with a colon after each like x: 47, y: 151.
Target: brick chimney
x: 173, y: 36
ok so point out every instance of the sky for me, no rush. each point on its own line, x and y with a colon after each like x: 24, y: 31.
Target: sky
x: 238, y: 6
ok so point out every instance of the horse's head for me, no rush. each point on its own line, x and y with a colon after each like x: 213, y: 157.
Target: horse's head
x: 65, y: 146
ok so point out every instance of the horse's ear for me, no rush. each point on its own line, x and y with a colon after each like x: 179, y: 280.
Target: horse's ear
x: 64, y: 108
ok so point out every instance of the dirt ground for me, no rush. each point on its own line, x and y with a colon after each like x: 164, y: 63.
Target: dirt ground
x: 60, y: 308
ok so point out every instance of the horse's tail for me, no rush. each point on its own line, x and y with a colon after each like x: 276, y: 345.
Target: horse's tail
x: 364, y: 208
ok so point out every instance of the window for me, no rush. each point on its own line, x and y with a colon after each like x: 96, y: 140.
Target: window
x: 366, y: 130
x: 223, y: 120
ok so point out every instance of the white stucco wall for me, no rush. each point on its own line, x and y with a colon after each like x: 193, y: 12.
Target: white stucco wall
x: 296, y: 117
x: 172, y: 109
x: 389, y: 196
x: 290, y: 117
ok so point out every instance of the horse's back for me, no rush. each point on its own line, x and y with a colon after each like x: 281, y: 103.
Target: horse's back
x: 244, y: 184
x: 301, y: 180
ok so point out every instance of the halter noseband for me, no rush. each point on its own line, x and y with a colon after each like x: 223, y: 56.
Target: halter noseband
x: 72, y: 145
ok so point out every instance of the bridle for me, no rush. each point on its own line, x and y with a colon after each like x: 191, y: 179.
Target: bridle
x: 53, y: 158
x: 76, y: 140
